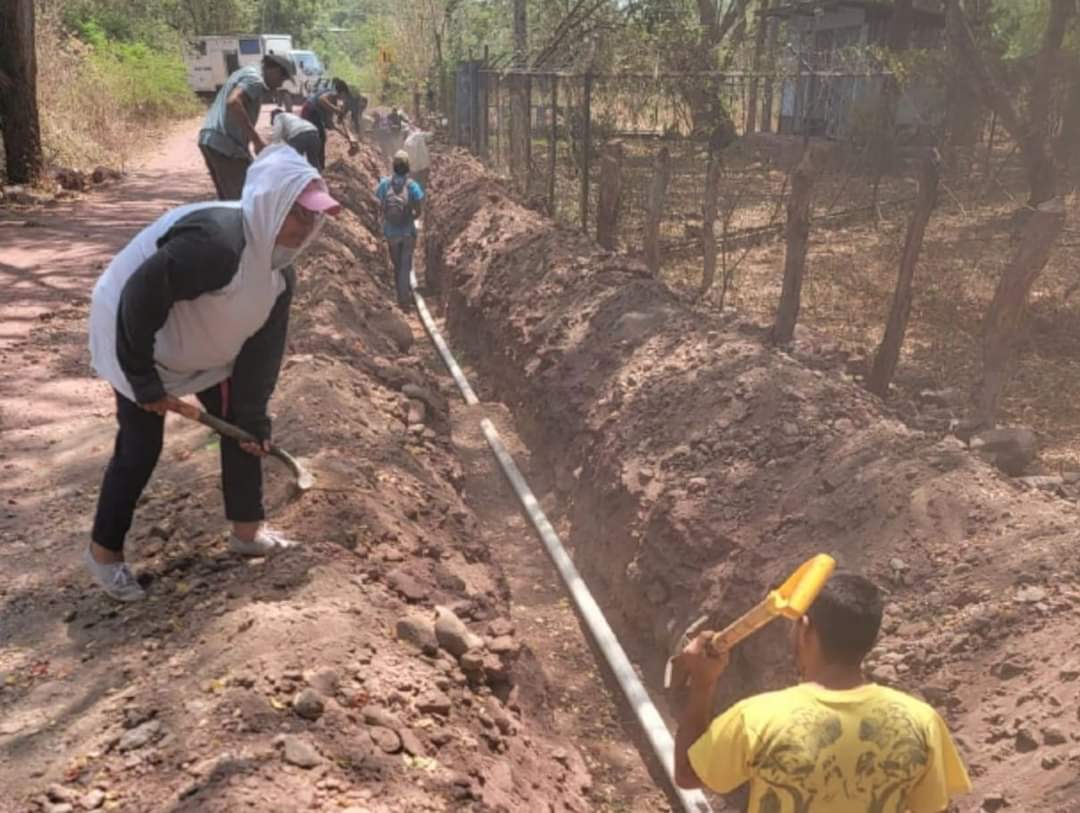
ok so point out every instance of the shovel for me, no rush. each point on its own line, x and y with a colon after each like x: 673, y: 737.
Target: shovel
x: 791, y: 600
x: 304, y: 479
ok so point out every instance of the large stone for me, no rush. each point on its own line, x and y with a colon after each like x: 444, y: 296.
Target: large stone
x: 308, y: 704
x: 1012, y: 449
x: 1025, y: 741
x: 140, y: 735
x: 324, y: 681
x: 411, y: 743
x: 386, y: 739
x: 419, y: 631
x: 433, y: 702
x: 301, y: 753
x: 453, y: 635
x: 407, y: 586
x: 378, y: 716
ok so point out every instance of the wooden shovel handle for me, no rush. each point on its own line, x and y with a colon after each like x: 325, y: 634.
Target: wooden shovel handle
x: 304, y: 480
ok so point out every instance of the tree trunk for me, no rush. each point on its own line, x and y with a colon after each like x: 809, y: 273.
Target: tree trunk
x: 607, y: 209
x: 553, y: 145
x: 586, y: 148
x: 1006, y: 314
x: 770, y: 83
x: 1030, y: 131
x: 888, y: 353
x: 18, y: 104
x: 708, y: 222
x: 520, y: 131
x: 655, y: 209
x: 798, y: 236
x: 521, y: 36
x: 898, y: 37
x: 963, y: 110
x: 1067, y: 143
x: 759, y: 49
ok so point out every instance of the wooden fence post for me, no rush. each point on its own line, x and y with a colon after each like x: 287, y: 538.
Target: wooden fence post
x: 655, y: 209
x: 607, y: 208
x: 519, y: 130
x: 708, y: 222
x: 553, y: 144
x: 888, y: 353
x: 798, y: 235
x: 586, y: 149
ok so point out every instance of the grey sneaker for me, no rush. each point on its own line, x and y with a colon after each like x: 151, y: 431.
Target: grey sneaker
x: 265, y: 543
x: 116, y: 580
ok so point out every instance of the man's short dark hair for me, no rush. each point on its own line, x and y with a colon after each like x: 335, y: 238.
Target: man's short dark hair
x: 847, y: 617
x: 281, y: 63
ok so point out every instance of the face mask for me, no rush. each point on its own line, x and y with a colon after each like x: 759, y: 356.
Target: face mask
x: 282, y: 256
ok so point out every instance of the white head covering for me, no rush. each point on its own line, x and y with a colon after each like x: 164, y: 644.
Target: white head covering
x: 199, y: 342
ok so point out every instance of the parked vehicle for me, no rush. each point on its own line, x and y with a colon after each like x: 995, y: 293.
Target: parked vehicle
x: 309, y: 74
x: 212, y: 59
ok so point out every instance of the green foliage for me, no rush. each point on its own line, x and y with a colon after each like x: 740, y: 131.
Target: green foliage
x: 1017, y: 27
x: 145, y: 83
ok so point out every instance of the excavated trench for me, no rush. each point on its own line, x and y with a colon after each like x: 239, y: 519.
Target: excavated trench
x: 694, y: 466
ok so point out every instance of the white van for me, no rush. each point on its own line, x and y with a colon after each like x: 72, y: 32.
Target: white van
x: 309, y: 70
x: 211, y: 60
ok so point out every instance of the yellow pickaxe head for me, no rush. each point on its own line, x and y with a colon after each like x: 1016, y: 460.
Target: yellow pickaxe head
x: 791, y: 600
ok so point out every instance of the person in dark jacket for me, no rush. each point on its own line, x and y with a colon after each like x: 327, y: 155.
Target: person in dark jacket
x: 327, y: 109
x: 198, y: 304
x: 230, y: 123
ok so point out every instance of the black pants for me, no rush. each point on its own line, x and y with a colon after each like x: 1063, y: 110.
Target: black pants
x: 227, y: 173
x: 138, y: 446
x: 310, y: 112
x: 311, y: 146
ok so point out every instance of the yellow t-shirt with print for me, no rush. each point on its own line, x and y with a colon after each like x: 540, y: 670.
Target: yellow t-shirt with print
x: 810, y: 750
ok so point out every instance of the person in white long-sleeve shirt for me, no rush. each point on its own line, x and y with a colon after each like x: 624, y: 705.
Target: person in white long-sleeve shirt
x: 298, y: 133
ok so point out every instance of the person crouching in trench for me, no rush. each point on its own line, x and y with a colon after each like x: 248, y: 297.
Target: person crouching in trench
x: 198, y: 304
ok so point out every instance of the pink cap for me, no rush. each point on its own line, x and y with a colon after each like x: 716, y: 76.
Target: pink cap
x: 315, y: 198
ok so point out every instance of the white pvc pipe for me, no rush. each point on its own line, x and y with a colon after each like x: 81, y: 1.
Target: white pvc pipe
x: 656, y: 731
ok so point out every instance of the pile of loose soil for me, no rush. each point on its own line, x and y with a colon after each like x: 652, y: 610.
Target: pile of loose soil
x: 697, y: 466
x: 374, y: 668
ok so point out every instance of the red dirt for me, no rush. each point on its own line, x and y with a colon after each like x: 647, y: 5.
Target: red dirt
x: 206, y: 669
x: 697, y: 466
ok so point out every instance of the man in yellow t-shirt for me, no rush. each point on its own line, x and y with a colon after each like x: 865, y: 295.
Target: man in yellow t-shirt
x: 832, y: 744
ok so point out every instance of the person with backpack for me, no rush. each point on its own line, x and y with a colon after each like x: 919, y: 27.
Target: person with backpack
x: 401, y: 198
x: 834, y: 743
x: 299, y: 134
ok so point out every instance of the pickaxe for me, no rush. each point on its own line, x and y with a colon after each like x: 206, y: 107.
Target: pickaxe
x: 791, y: 600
